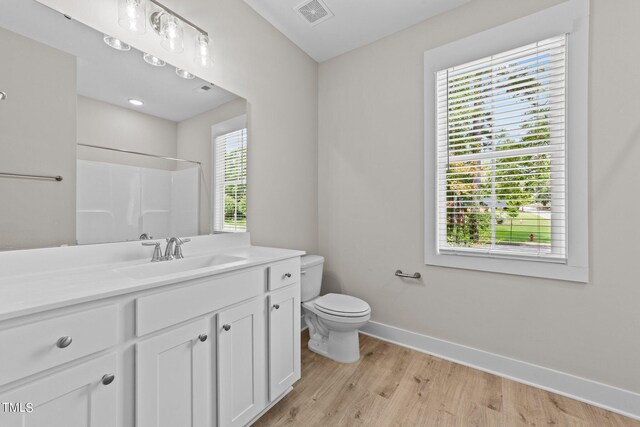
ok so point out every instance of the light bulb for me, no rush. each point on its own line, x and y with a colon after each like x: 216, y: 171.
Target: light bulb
x: 172, y: 33
x: 203, y: 51
x: 132, y: 15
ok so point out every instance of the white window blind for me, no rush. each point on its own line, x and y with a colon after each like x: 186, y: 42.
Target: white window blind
x: 230, y: 181
x: 501, y: 181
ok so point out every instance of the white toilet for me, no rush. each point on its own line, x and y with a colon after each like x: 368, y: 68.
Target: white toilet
x: 333, y: 319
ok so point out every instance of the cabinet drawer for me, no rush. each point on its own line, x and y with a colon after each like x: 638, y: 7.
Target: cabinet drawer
x: 76, y: 396
x: 34, y: 347
x: 158, y: 311
x: 284, y: 273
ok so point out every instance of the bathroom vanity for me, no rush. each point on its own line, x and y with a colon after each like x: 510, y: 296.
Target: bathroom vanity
x: 100, y: 336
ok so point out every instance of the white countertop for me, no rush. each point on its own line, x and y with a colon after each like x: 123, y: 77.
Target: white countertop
x: 29, y: 285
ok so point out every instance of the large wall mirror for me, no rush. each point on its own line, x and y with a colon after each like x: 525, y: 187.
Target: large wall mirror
x: 100, y: 142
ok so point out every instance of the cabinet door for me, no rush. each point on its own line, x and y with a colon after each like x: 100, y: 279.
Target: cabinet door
x: 284, y: 340
x: 75, y: 397
x: 241, y: 363
x: 173, y: 377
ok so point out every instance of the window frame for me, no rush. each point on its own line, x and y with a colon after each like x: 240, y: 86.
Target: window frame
x: 571, y: 17
x: 230, y: 126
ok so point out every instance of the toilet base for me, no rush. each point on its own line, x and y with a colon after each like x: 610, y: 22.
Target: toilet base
x: 339, y: 345
x: 343, y: 347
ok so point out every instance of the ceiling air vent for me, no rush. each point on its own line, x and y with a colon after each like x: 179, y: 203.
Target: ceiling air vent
x: 314, y: 11
x: 204, y: 88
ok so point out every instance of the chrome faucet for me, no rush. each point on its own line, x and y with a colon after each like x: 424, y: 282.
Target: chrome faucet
x: 172, y: 251
x: 174, y: 248
x: 169, y: 251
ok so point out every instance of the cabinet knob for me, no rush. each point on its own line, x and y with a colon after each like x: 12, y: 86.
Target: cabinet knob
x: 64, y: 342
x: 276, y: 306
x: 226, y: 327
x: 287, y: 275
x: 107, y: 379
x: 202, y: 337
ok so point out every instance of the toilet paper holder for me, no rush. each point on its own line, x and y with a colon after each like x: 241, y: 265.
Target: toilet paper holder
x: 416, y: 275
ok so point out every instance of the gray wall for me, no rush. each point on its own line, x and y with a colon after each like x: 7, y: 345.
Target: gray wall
x: 107, y: 125
x: 371, y: 203
x: 37, y: 136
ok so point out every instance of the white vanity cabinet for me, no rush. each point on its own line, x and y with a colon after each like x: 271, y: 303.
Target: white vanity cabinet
x: 173, y: 378
x: 241, y: 363
x: 207, y: 350
x: 82, y: 396
x: 284, y: 339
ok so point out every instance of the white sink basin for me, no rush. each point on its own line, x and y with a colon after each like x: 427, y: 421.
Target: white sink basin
x: 153, y: 269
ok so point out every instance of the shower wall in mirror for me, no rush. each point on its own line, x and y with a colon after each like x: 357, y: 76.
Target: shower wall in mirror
x: 116, y: 202
x: 70, y: 95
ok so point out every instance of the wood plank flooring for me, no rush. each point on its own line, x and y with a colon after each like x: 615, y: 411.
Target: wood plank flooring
x: 395, y: 386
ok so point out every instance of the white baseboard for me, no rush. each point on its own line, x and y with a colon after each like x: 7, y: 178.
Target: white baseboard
x: 604, y: 396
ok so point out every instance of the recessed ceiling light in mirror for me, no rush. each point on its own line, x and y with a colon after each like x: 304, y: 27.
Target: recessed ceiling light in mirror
x: 184, y: 74
x: 115, y: 43
x: 152, y: 60
x: 136, y: 102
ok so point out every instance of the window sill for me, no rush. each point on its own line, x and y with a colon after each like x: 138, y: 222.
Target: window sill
x: 531, y: 268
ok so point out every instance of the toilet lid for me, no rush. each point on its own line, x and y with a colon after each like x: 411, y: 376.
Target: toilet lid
x: 342, y: 305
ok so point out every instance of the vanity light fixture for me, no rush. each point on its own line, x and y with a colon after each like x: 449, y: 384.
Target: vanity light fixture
x: 184, y: 74
x: 132, y: 15
x: 169, y: 25
x: 153, y: 60
x: 115, y: 43
x: 136, y: 102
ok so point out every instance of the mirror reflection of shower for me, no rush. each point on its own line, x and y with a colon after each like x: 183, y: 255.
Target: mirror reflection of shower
x: 124, y: 195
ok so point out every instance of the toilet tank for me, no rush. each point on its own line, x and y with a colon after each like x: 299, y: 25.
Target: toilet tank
x: 311, y: 277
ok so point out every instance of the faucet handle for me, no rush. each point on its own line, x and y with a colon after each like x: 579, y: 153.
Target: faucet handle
x: 157, y: 252
x: 177, y: 252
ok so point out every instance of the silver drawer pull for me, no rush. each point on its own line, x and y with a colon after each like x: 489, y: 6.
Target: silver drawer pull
x: 64, y: 342
x: 202, y: 337
x: 226, y: 327
x: 107, y: 379
x: 287, y: 275
x: 276, y: 306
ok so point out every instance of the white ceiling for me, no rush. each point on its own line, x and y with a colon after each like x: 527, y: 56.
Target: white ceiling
x: 355, y: 22
x: 107, y: 74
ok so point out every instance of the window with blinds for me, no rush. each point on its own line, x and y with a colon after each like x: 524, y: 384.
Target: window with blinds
x: 230, y: 182
x: 501, y: 182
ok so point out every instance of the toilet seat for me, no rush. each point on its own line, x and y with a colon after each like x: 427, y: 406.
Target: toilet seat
x: 342, y: 305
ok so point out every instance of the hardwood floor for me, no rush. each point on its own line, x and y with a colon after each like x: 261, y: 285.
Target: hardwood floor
x: 395, y: 386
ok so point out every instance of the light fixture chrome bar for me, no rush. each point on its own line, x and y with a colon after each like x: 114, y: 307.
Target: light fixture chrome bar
x: 186, y: 21
x: 120, y: 150
x: 29, y: 176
